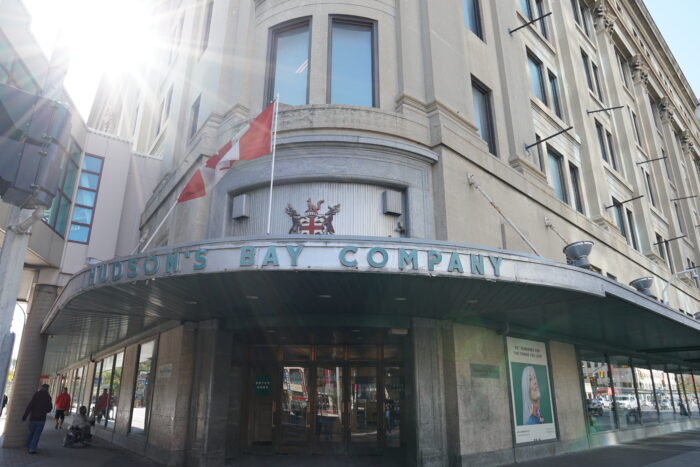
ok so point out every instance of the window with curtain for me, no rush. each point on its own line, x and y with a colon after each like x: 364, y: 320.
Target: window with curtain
x: 483, y: 116
x: 352, y: 67
x: 289, y: 64
x: 86, y: 199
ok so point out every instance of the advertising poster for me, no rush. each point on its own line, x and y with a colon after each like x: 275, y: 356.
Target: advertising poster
x: 532, y: 399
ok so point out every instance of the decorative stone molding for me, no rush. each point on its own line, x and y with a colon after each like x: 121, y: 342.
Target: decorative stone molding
x: 687, y: 143
x: 640, y: 70
x: 666, y: 110
x: 602, y: 19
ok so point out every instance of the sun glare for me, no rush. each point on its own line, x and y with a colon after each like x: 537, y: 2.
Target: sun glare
x: 101, y: 37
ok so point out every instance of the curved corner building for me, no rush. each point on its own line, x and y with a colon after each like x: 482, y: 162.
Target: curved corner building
x: 412, y: 298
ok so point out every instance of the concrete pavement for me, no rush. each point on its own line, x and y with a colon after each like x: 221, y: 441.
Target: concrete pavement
x: 52, y: 454
x: 680, y: 449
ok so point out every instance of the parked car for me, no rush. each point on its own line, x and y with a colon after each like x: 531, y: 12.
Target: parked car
x: 595, y: 407
x: 665, y: 404
x: 626, y: 401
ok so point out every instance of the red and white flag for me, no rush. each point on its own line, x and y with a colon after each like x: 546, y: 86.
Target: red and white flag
x: 254, y: 140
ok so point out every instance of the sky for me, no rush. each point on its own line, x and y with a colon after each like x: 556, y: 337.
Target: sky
x: 95, y: 30
x: 677, y: 20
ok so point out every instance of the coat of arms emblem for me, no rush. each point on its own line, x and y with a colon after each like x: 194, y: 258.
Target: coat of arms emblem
x: 312, y: 223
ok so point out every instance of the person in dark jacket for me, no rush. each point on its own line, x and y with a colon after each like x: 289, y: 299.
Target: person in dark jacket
x: 36, y: 410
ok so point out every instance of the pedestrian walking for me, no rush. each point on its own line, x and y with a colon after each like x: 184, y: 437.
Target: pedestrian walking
x: 36, y: 410
x: 101, y: 405
x: 62, y: 405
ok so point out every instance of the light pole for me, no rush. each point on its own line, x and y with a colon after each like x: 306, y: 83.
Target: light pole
x: 664, y: 294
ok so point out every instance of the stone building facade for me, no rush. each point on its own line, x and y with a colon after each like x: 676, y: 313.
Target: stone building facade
x: 438, y: 324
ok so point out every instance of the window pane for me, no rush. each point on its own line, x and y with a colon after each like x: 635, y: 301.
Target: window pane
x: 292, y: 65
x: 85, y: 197
x: 93, y: 164
x: 482, y: 114
x: 78, y: 233
x: 471, y: 16
x: 144, y: 383
x: 554, y: 89
x: 576, y: 186
x: 625, y: 396
x: 539, y: 4
x: 645, y: 389
x: 525, y: 8
x: 102, y: 403
x: 69, y: 181
x: 114, y: 391
x: 88, y: 180
x: 351, y: 65
x: 556, y: 175
x: 82, y: 215
x: 536, y: 79
x: 62, y: 215
x: 95, y: 389
x: 596, y: 384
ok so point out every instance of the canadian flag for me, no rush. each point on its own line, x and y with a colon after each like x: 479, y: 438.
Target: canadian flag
x: 254, y: 140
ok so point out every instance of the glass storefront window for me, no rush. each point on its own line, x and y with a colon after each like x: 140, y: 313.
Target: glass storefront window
x: 394, y: 406
x: 664, y: 394
x: 114, y: 389
x: 598, y: 391
x: 329, y: 352
x: 95, y: 389
x: 76, y: 390
x: 102, y: 403
x: 645, y: 392
x: 142, y: 388
x: 329, y: 410
x: 682, y: 395
x: 626, y: 403
x: 694, y: 387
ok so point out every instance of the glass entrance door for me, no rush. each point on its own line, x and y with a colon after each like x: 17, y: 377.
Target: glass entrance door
x: 364, y: 417
x: 294, y: 409
x: 329, y: 413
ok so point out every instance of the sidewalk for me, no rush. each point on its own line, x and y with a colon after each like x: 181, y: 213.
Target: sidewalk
x: 52, y: 454
x: 681, y: 449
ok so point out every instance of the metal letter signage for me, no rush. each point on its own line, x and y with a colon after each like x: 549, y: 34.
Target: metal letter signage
x: 312, y: 223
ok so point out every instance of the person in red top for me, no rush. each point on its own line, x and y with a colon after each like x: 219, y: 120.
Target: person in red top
x: 62, y: 404
x: 101, y: 405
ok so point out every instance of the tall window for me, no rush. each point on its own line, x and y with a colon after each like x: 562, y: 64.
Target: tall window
x: 85, y: 200
x: 624, y: 68
x: 554, y: 92
x: 352, y: 65
x: 619, y: 217
x: 536, y: 77
x: 103, y: 394
x: 206, y: 27
x: 483, y: 114
x: 655, y: 112
x: 635, y: 124
x: 650, y: 187
x: 556, y: 174
x: 660, y: 244
x: 289, y: 65
x: 472, y: 16
x: 633, y: 230
x: 576, y: 187
x: 540, y: 155
x: 679, y: 217
x: 539, y: 5
x: 596, y: 77
x: 57, y: 215
x: 194, y: 117
x: 587, y: 70
x: 526, y: 8
x: 143, y: 388
x: 77, y: 388
x: 611, y: 149
x: 115, y: 387
x: 601, y: 141
x: 95, y: 390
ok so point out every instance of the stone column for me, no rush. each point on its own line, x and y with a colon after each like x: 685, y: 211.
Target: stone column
x: 430, y: 438
x: 207, y: 438
x: 30, y: 362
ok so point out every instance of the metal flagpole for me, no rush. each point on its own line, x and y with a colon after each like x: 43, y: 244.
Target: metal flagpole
x: 167, y: 214
x: 272, y: 169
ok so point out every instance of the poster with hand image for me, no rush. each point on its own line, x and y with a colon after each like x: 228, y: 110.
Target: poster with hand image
x: 532, y: 400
